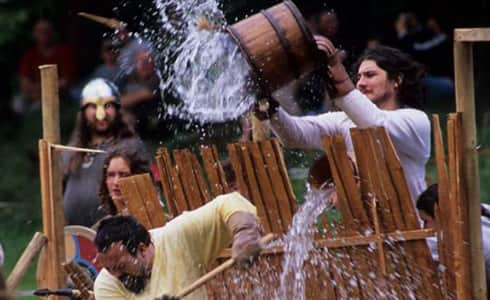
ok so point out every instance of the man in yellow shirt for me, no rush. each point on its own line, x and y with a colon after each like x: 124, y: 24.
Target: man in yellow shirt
x: 144, y: 265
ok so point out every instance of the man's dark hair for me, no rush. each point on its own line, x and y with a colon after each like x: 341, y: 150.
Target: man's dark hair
x: 400, y: 67
x: 138, y: 164
x: 123, y: 229
x: 428, y: 199
x: 82, y: 136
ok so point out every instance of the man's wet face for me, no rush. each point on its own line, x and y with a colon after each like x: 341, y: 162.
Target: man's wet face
x: 130, y: 269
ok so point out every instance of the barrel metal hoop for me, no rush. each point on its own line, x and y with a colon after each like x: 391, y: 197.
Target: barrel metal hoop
x: 284, y: 42
x: 300, y: 21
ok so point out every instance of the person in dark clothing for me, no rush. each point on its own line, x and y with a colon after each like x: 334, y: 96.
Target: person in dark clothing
x: 100, y: 125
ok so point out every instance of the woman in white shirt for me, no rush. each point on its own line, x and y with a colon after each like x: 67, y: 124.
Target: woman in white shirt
x: 388, y: 93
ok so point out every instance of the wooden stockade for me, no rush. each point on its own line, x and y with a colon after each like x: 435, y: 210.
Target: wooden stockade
x: 376, y: 250
x: 461, y: 206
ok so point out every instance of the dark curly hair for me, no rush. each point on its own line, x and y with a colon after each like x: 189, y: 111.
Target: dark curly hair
x: 125, y: 229
x: 399, y: 66
x: 138, y: 164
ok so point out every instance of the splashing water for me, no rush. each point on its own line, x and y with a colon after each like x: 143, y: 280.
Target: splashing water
x: 299, y: 242
x: 204, y: 69
x: 211, y: 77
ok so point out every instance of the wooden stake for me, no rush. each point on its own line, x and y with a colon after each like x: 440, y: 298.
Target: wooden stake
x: 111, y: 23
x: 465, y: 103
x: 51, y: 134
x: 32, y: 250
x: 76, y: 149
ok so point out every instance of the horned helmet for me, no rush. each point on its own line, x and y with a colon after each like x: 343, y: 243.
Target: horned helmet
x: 100, y: 91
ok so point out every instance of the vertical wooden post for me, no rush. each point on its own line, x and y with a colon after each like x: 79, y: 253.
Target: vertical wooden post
x: 465, y: 103
x: 55, y: 222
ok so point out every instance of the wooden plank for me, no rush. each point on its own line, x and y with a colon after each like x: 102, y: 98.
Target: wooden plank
x: 184, y: 169
x: 46, y: 206
x: 419, y: 249
x: 251, y: 181
x: 150, y: 199
x: 271, y: 203
x: 443, y: 216
x: 284, y: 175
x: 279, y: 190
x: 238, y: 168
x: 205, y: 195
x: 163, y: 159
x: 363, y: 169
x: 465, y: 103
x: 179, y: 198
x: 472, y: 35
x: 350, y: 185
x: 458, y: 230
x: 257, y: 169
x: 362, y: 257
x: 345, y: 241
x: 214, y: 170
x: 367, y: 147
x: 135, y: 203
x: 352, y: 224
x: 411, y: 273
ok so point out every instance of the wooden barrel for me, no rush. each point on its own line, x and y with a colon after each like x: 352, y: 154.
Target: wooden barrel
x: 277, y: 44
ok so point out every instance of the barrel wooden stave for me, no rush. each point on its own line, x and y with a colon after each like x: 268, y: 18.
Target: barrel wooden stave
x: 276, y: 45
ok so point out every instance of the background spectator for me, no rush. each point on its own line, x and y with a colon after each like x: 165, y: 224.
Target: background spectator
x: 141, y: 93
x: 46, y: 50
x: 109, y: 68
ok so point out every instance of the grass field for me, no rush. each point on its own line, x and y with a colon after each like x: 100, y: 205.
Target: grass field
x: 20, y: 192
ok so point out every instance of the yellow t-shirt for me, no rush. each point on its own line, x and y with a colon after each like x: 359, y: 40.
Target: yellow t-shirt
x: 184, y: 248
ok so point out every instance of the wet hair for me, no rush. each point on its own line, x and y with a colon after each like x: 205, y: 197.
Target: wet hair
x: 138, y: 164
x: 399, y: 67
x: 82, y: 136
x: 124, y: 229
x: 427, y: 200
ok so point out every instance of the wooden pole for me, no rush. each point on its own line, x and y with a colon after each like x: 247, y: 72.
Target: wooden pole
x: 51, y: 134
x: 465, y: 103
x: 32, y: 249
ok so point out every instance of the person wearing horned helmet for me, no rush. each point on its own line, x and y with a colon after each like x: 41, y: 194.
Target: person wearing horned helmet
x: 100, y: 125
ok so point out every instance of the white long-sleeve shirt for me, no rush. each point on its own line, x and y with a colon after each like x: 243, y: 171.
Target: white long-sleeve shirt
x: 408, y: 128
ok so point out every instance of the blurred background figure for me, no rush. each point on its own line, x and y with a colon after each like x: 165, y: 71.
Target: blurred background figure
x: 431, y: 45
x: 141, y: 93
x: 46, y: 50
x: 324, y: 22
x: 109, y: 68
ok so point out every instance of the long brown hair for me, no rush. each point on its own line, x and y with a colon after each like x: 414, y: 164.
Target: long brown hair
x: 138, y: 164
x: 82, y: 136
x: 399, y: 66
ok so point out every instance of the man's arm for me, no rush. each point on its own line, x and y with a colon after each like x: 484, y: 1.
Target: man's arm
x: 304, y: 132
x: 207, y: 230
